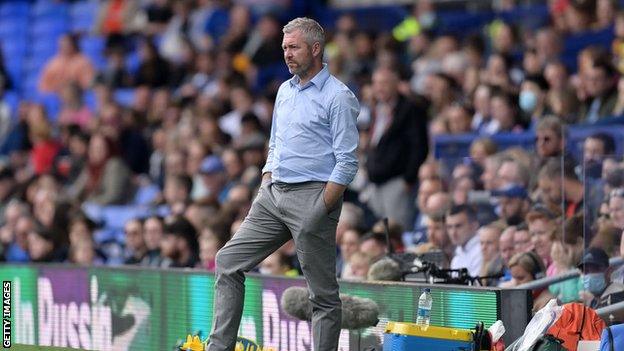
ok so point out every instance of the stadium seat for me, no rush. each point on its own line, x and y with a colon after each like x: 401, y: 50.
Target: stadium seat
x: 11, y: 28
x: 90, y: 99
x: 14, y: 9
x: 124, y: 97
x: 83, y: 15
x: 13, y: 48
x: 145, y: 195
x: 49, y: 29
x: 50, y: 9
x: 93, y: 47
x: 52, y: 105
x: 43, y: 48
x: 133, y: 62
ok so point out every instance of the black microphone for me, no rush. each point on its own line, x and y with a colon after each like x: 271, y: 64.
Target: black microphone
x: 357, y: 312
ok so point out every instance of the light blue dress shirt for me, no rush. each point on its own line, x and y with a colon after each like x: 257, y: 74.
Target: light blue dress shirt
x: 314, y: 135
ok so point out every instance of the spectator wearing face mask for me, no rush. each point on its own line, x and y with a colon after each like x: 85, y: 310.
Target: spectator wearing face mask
x: 598, y: 289
x: 532, y: 99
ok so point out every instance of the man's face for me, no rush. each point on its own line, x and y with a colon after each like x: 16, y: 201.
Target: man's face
x: 297, y: 53
x: 593, y: 149
x: 547, y: 143
x: 522, y: 241
x: 349, y: 244
x: 551, y: 190
x: 511, y: 207
x: 616, y: 211
x: 508, y: 174
x: 506, y: 246
x: 540, y: 231
x: 596, y: 82
x: 385, y: 85
x: 425, y: 190
x: 459, y: 228
x: 488, y: 238
x: 153, y: 233
x: 134, y: 235
x: 436, y: 231
x: 489, y: 176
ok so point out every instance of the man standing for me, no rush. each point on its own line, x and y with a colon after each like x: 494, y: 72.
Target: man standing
x: 398, y: 146
x: 311, y: 160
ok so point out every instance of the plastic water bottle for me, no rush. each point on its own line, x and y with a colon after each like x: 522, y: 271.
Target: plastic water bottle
x: 424, y: 308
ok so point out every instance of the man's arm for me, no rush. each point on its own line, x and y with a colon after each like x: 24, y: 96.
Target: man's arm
x: 343, y: 126
x: 268, y: 166
x: 333, y: 192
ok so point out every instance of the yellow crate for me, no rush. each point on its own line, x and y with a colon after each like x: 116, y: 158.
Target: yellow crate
x: 411, y: 329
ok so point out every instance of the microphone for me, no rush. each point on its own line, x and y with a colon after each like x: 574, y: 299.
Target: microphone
x: 386, y: 269
x: 296, y: 303
x: 357, y: 312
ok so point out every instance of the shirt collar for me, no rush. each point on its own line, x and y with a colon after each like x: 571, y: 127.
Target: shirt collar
x: 471, y: 244
x: 318, y: 80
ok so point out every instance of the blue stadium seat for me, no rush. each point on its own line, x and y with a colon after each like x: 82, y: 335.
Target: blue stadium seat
x: 90, y: 99
x: 133, y: 62
x: 83, y: 15
x: 93, y: 47
x: 84, y: 8
x: 573, y: 44
x: 578, y: 134
x: 50, y: 9
x: 11, y: 28
x: 52, y: 104
x: 49, y: 29
x: 29, y: 87
x: 124, y: 97
x: 14, y: 69
x: 34, y: 65
x: 13, y: 48
x: 43, y: 48
x: 116, y: 216
x: 14, y: 9
x: 145, y: 195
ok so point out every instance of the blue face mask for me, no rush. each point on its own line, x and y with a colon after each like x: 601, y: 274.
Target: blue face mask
x: 594, y: 283
x: 528, y: 101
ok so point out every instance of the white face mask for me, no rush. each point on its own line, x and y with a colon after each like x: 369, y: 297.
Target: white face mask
x: 265, y: 271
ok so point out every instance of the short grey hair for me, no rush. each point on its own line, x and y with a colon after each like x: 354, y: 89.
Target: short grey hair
x: 311, y: 30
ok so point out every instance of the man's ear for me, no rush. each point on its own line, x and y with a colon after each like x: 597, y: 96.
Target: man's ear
x: 316, y: 49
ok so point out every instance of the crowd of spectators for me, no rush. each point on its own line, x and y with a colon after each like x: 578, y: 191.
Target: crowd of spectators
x: 197, y: 126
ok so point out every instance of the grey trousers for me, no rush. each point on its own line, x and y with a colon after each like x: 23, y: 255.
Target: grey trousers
x: 279, y: 212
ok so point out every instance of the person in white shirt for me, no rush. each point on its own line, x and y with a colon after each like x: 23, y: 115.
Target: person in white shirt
x: 461, y: 226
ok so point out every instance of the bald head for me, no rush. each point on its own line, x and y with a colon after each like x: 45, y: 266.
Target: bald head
x: 438, y: 203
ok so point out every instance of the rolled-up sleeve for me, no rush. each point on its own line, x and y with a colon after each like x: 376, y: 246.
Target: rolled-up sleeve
x: 343, y: 125
x: 268, y: 166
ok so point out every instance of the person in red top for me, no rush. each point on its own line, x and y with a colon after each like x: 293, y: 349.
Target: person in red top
x: 45, y: 147
x: 68, y: 65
